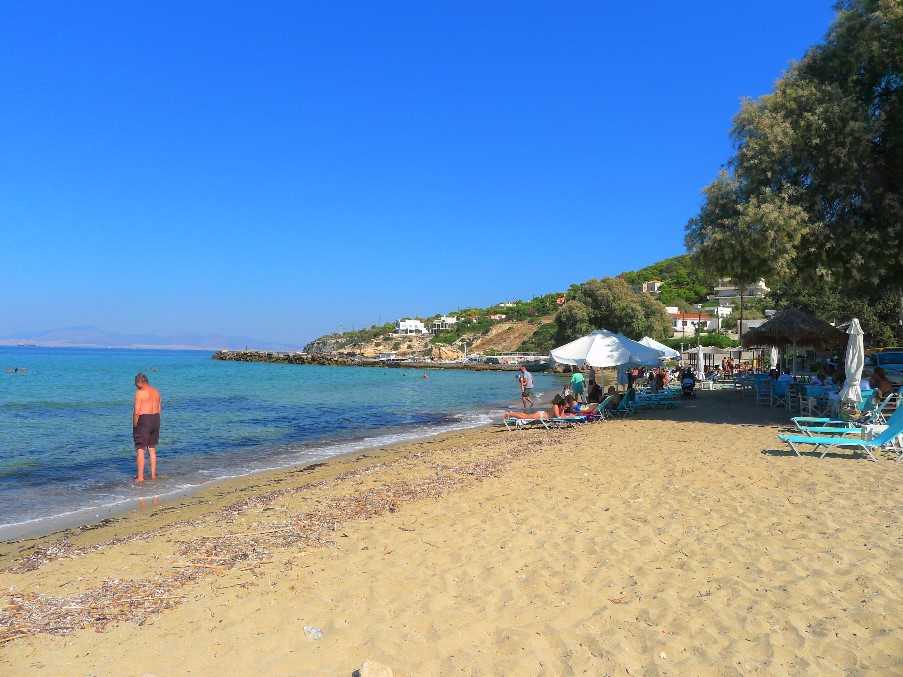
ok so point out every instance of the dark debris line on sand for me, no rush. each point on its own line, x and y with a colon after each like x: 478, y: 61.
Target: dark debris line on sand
x: 117, y: 600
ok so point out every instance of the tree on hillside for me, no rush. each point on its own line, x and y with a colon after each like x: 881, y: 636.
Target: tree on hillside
x: 610, y: 304
x: 745, y: 238
x: 684, y: 282
x: 542, y: 340
x: 822, y: 158
x: 876, y: 313
x: 571, y: 322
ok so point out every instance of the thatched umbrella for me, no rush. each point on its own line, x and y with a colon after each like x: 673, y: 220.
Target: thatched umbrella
x: 794, y: 327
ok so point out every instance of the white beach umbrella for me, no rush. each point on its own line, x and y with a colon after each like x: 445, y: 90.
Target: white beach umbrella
x: 667, y: 353
x: 700, y: 371
x: 605, y: 349
x: 775, y: 358
x: 855, y: 360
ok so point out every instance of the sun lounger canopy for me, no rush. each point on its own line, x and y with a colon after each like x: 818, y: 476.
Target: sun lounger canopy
x: 606, y: 349
x: 794, y: 327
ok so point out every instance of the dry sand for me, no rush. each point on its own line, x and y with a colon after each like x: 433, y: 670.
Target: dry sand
x: 668, y: 544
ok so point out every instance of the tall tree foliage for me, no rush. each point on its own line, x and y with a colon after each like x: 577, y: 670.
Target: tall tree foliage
x: 816, y: 185
x: 610, y: 304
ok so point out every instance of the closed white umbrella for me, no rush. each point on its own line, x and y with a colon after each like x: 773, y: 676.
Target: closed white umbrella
x: 700, y: 370
x: 853, y: 363
x: 605, y: 349
x: 667, y: 353
x: 775, y: 358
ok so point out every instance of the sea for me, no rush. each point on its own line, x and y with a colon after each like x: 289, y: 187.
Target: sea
x: 66, y: 452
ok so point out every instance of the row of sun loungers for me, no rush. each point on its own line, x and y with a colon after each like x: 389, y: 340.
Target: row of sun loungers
x: 629, y: 404
x: 872, y: 433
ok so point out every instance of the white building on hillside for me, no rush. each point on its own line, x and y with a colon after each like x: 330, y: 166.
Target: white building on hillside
x: 727, y: 292
x: 442, y: 324
x: 722, y: 311
x: 689, y: 324
x: 408, y: 326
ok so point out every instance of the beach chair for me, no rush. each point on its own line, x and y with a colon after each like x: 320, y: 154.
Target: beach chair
x: 567, y: 421
x: 625, y: 406
x: 888, y: 436
x: 525, y: 423
x: 762, y: 390
x: 780, y: 394
x: 813, y: 400
x: 603, y: 411
x: 872, y: 413
x: 656, y: 401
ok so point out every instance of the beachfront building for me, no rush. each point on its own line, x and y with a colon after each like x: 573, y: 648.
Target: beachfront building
x: 442, y: 324
x: 747, y: 325
x: 727, y: 292
x: 408, y: 326
x: 690, y: 324
x: 722, y: 311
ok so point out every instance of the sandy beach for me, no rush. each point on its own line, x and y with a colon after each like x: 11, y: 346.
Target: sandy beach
x: 673, y: 543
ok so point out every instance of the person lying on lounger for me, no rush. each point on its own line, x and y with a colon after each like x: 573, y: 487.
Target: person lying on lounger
x: 556, y: 410
x: 571, y: 406
x: 527, y: 415
x: 566, y: 406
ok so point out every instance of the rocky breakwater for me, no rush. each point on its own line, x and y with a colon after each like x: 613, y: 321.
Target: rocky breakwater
x: 331, y: 359
x: 284, y: 358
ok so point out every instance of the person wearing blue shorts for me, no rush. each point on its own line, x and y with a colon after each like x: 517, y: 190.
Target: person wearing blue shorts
x: 577, y: 385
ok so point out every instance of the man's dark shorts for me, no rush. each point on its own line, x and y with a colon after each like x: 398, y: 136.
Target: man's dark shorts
x: 528, y: 392
x: 147, y: 432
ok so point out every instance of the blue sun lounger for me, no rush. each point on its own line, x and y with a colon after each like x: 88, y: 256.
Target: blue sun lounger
x: 547, y: 422
x: 872, y: 414
x: 894, y: 428
x: 625, y: 406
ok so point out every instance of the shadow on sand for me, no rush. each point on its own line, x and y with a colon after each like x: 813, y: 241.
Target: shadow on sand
x: 729, y: 407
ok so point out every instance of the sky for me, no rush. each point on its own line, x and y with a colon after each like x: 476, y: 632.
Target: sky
x: 293, y: 168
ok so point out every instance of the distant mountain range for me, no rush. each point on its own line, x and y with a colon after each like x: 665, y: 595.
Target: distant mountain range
x: 94, y: 337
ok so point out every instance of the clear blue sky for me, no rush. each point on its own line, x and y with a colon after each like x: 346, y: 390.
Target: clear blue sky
x: 283, y: 170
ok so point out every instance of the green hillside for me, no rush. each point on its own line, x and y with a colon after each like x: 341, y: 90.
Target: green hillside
x: 610, y: 302
x: 684, y: 283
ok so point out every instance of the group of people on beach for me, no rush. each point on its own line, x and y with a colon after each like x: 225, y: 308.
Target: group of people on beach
x: 578, y: 398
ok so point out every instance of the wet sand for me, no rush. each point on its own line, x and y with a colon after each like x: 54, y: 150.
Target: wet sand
x: 677, y: 542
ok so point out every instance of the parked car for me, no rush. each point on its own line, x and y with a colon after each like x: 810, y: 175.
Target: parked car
x: 889, y: 359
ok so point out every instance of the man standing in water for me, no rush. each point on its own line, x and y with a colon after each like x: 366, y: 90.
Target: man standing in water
x: 525, y: 378
x: 146, y: 425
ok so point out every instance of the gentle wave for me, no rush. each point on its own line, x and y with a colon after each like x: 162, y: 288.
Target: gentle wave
x: 306, y: 456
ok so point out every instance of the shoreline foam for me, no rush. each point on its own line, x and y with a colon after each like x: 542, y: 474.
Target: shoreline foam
x: 49, y: 524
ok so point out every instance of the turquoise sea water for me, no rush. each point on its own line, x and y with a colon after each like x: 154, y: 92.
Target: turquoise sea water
x: 66, y: 453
